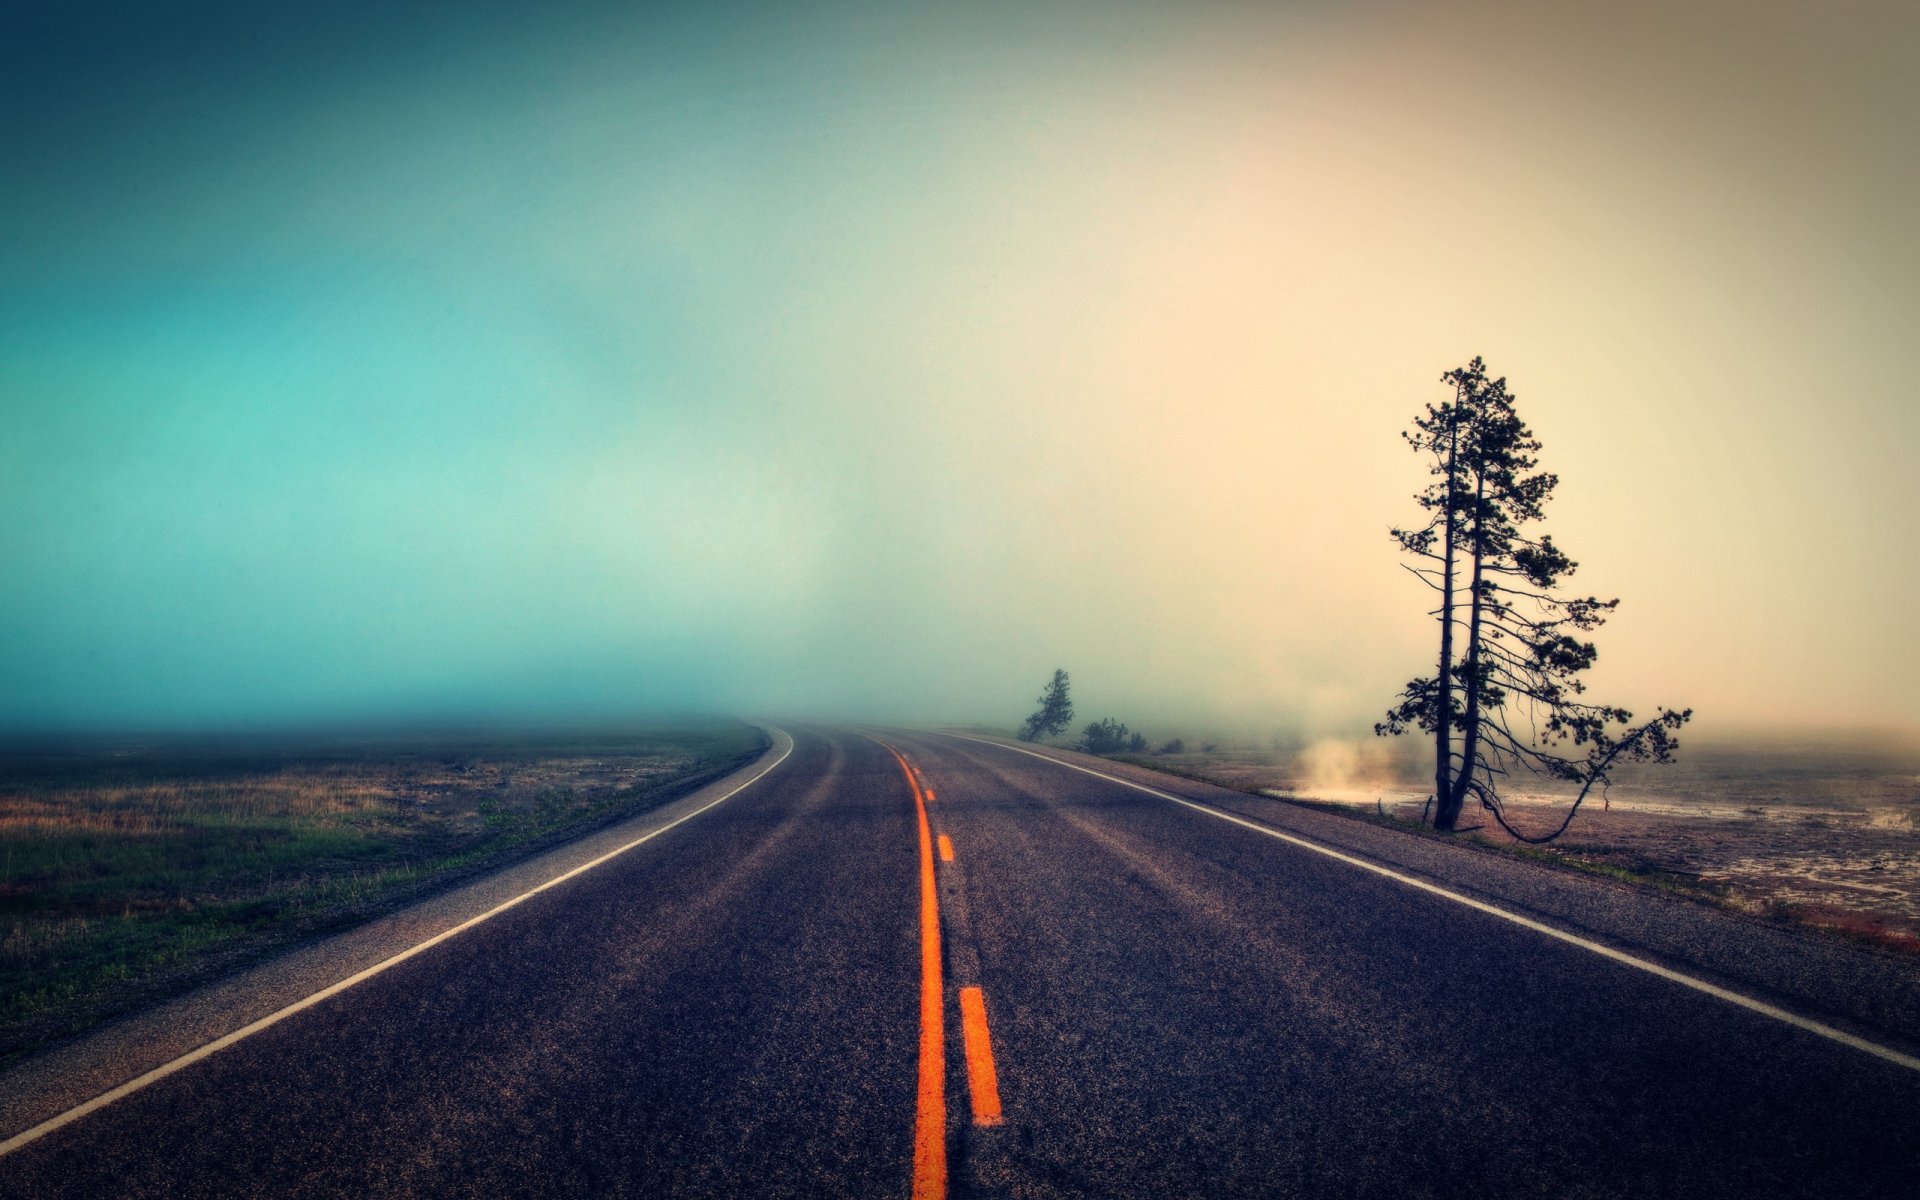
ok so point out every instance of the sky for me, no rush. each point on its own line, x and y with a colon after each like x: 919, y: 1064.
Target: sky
x: 873, y: 360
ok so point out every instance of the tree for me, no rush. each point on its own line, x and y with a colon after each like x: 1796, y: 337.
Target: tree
x: 1106, y: 736
x: 1054, y: 714
x: 1507, y: 684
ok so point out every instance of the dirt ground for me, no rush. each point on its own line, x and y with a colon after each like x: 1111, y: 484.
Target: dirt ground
x: 1821, y: 831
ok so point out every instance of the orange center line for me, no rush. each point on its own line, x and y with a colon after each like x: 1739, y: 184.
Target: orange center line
x: 930, y: 1113
x: 982, y: 1081
x: 946, y: 848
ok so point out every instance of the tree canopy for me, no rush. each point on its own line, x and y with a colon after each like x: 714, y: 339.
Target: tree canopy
x: 1054, y: 714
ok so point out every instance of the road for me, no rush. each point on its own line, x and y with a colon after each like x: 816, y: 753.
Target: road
x: 828, y: 984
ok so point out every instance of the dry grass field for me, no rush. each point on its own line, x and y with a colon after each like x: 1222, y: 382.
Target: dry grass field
x: 132, y: 868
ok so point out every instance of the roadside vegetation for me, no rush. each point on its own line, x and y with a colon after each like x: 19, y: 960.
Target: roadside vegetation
x: 1108, y: 736
x: 1055, y: 712
x: 1105, y: 736
x: 130, y: 872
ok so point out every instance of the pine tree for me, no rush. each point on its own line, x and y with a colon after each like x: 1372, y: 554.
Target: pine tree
x: 1054, y: 714
x: 1507, y: 683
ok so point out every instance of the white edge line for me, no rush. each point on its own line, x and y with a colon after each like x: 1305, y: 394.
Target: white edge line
x: 246, y: 1031
x: 1700, y: 985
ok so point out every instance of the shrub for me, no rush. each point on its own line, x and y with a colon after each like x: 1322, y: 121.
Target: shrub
x: 1106, y: 736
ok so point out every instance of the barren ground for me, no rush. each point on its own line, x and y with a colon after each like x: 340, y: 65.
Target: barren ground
x: 1818, y: 831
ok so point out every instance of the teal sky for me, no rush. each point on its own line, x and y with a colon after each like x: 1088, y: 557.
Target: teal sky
x: 875, y: 359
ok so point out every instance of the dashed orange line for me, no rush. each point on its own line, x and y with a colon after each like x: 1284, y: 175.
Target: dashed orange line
x: 982, y: 1082
x: 946, y: 848
x: 930, y: 1112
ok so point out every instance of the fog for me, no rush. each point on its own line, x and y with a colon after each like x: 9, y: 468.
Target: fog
x: 874, y: 360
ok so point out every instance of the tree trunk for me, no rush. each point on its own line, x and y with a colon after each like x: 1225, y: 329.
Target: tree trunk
x: 1443, y: 682
x: 1448, y: 813
x: 1469, y: 742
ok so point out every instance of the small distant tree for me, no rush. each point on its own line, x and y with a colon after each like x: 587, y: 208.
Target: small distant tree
x: 1106, y: 736
x: 1137, y: 744
x: 1506, y: 693
x: 1054, y: 714
x: 1173, y: 746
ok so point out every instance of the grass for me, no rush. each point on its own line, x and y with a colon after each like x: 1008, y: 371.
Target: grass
x: 1591, y: 861
x: 129, y: 872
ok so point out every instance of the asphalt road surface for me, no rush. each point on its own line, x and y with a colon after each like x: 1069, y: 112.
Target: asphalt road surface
x: 901, y: 964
